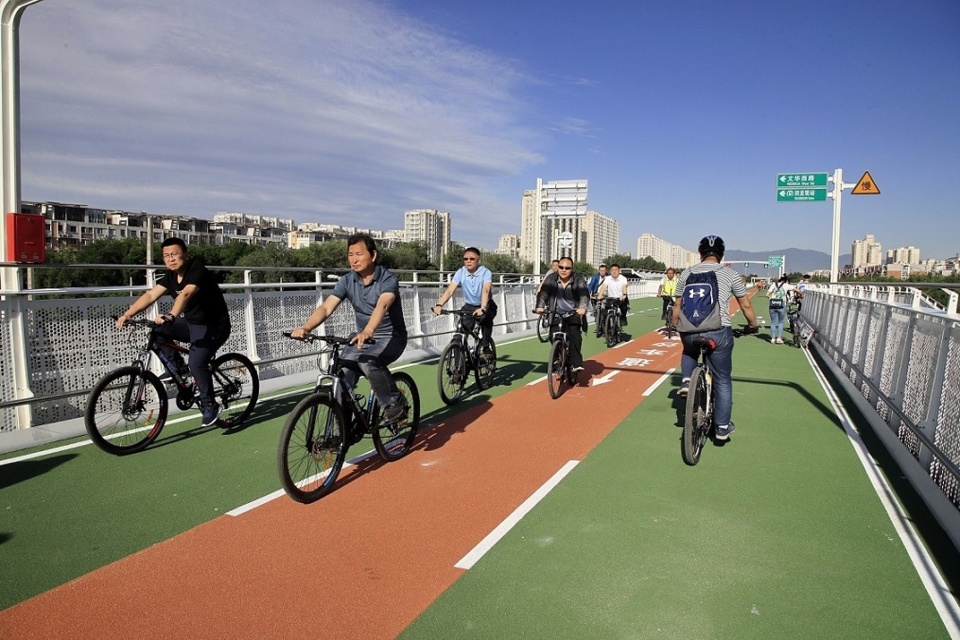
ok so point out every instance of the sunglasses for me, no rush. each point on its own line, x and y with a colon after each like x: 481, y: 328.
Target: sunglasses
x: 470, y: 259
x: 565, y: 268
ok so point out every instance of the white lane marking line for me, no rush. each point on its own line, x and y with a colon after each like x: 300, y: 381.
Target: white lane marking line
x: 504, y: 527
x: 537, y: 381
x: 250, y: 506
x: 622, y: 344
x: 927, y: 570
x: 659, y: 382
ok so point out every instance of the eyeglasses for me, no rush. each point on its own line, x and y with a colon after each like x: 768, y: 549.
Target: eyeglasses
x: 166, y: 256
x: 470, y: 259
x: 565, y: 268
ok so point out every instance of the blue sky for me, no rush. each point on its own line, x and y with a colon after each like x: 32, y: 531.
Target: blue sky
x: 679, y: 114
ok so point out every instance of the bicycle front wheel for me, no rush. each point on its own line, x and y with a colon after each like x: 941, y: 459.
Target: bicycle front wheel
x: 555, y: 368
x: 126, y: 411
x: 393, y: 440
x: 312, y: 448
x: 486, y: 369
x: 696, y: 426
x: 452, y: 373
x: 236, y: 387
x: 612, y: 329
x: 543, y: 328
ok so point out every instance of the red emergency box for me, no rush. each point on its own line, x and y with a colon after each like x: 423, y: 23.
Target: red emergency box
x: 25, y: 237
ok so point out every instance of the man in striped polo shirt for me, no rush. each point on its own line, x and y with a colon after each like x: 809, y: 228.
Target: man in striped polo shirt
x: 729, y: 283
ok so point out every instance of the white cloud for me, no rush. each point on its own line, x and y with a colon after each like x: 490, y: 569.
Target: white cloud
x: 304, y: 109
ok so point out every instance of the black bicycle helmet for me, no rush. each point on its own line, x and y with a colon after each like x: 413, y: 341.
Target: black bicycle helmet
x: 712, y: 246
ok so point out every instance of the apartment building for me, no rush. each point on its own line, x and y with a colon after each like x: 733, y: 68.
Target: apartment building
x: 431, y: 227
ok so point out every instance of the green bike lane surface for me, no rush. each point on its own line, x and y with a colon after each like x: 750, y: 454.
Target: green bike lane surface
x: 75, y: 511
x: 776, y: 534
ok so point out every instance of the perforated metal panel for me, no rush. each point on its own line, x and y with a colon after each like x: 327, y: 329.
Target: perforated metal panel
x: 7, y: 416
x: 948, y: 439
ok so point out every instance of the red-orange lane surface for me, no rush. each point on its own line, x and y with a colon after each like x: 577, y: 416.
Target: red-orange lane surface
x: 365, y: 560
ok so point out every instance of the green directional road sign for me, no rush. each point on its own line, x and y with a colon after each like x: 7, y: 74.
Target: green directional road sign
x: 802, y: 179
x: 818, y: 194
x: 774, y: 261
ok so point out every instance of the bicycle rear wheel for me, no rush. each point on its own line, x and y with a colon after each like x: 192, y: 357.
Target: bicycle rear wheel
x: 236, y: 386
x: 555, y: 368
x: 452, y: 373
x: 393, y: 440
x: 543, y: 327
x: 486, y: 369
x: 312, y: 448
x: 696, y: 426
x: 611, y: 330
x: 126, y: 411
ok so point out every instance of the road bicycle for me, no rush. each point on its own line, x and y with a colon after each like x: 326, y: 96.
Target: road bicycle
x: 667, y: 318
x: 325, y: 424
x: 463, y: 355
x: 127, y: 408
x: 698, y: 422
x: 559, y: 369
x: 613, y: 321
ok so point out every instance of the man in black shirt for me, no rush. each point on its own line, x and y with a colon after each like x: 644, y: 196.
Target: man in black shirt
x: 566, y: 294
x: 199, y: 316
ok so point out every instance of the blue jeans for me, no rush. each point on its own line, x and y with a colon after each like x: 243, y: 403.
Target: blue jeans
x: 372, y: 361
x: 720, y: 362
x: 777, y: 316
x: 204, y: 341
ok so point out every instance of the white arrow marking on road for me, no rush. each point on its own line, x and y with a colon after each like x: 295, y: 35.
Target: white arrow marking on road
x: 605, y: 379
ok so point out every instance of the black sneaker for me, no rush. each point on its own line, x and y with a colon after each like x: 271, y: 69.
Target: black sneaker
x: 723, y: 433
x: 210, y: 415
x: 395, y: 412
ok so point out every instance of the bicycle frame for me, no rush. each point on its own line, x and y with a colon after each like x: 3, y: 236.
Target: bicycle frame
x: 461, y: 335
x: 331, y: 379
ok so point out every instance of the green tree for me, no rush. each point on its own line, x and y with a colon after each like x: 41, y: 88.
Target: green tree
x: 454, y: 258
x: 584, y: 268
x: 407, y: 255
x: 500, y: 263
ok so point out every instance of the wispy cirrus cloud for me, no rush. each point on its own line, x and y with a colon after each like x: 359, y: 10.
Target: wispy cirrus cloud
x: 313, y: 110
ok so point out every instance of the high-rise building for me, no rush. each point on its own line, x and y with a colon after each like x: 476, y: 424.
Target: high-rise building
x: 865, y: 253
x: 672, y: 255
x: 528, y: 226
x: 903, y: 255
x: 509, y: 245
x: 603, y: 237
x: 431, y: 227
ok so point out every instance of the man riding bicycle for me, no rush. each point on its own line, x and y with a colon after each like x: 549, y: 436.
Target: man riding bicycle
x: 374, y: 293
x: 567, y: 294
x: 668, y: 289
x: 199, y: 316
x: 720, y: 360
x: 477, y: 282
x: 614, y: 287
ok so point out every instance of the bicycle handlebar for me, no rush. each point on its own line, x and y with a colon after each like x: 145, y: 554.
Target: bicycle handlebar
x: 312, y: 337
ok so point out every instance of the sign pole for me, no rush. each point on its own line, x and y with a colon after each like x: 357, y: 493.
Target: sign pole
x: 835, y: 251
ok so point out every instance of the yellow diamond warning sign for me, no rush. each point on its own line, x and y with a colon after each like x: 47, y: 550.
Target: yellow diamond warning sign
x: 866, y: 186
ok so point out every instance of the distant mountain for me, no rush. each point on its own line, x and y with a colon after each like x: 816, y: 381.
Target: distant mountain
x: 802, y: 260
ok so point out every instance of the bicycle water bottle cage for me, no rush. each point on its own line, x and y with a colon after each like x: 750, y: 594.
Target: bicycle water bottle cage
x: 707, y: 343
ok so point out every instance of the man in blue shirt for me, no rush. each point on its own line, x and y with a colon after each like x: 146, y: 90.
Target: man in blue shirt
x: 375, y: 295
x: 477, y: 283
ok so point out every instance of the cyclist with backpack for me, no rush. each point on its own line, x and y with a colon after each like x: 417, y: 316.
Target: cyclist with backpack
x: 701, y: 309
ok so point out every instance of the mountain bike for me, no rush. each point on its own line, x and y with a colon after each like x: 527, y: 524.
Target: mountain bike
x: 559, y: 369
x: 599, y: 314
x: 698, y: 423
x: 667, y: 318
x: 127, y: 408
x: 613, y: 322
x: 462, y: 356
x: 325, y: 424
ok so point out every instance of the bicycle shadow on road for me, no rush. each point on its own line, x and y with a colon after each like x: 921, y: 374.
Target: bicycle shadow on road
x: 444, y: 423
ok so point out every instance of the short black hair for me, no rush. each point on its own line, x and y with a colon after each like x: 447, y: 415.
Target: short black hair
x: 169, y: 242
x: 614, y: 265
x: 555, y: 260
x: 471, y: 250
x: 365, y: 239
x: 566, y: 258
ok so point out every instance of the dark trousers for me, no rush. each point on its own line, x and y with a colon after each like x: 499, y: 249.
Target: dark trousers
x: 371, y: 361
x: 485, y: 320
x: 573, y: 327
x: 204, y: 341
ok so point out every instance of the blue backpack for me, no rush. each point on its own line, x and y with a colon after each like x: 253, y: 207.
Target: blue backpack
x: 699, y: 304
